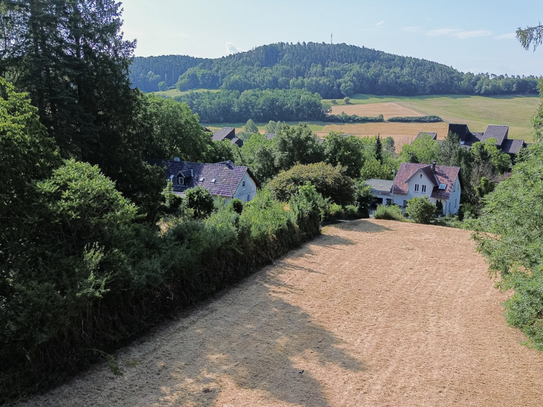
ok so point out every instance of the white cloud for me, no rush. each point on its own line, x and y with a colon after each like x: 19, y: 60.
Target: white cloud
x: 380, y: 23
x: 508, y: 36
x: 472, y: 34
x: 412, y: 29
x: 442, y: 31
x: 232, y: 49
x: 458, y: 33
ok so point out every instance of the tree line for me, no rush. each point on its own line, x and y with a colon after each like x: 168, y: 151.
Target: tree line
x: 331, y: 70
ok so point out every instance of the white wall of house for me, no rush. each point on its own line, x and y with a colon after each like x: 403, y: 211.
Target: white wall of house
x: 419, y: 185
x: 246, y: 189
x: 425, y: 187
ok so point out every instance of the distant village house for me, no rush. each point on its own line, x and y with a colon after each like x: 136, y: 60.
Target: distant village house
x: 223, y: 179
x: 437, y: 182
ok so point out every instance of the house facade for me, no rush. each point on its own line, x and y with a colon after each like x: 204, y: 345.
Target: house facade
x: 223, y: 179
x: 437, y: 182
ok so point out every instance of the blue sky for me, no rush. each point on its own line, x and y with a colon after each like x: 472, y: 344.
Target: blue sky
x: 476, y: 36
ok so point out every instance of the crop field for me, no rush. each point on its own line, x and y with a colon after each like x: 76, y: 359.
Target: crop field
x: 476, y: 111
x: 171, y: 93
x: 371, y: 313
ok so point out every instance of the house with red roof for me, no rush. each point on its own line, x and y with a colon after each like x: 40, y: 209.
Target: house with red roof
x: 223, y: 179
x: 437, y: 182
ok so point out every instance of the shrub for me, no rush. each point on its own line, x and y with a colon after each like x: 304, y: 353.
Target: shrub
x: 329, y: 181
x: 200, y: 202
x: 389, y: 212
x: 421, y: 209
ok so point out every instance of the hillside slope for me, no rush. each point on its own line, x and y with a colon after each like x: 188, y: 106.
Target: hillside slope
x: 332, y: 70
x: 375, y: 313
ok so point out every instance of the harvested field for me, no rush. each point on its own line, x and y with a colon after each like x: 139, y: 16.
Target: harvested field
x: 401, y: 132
x: 375, y: 109
x: 374, y: 313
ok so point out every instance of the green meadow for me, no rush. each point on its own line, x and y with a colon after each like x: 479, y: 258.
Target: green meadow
x: 475, y: 111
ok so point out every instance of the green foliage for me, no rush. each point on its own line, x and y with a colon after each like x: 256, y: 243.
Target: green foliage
x: 530, y: 36
x: 415, y: 119
x: 250, y: 127
x: 260, y: 105
x: 353, y: 118
x: 421, y: 209
x: 308, y: 206
x: 389, y: 212
x: 200, y: 202
x: 296, y: 145
x: 363, y: 199
x: 509, y: 236
x: 162, y: 86
x: 329, y: 181
x: 346, y: 151
x: 378, y: 150
x: 334, y: 71
x: 422, y: 150
x: 236, y: 205
x: 175, y: 131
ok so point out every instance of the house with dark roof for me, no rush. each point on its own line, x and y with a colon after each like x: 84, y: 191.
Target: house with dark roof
x: 437, y: 182
x: 498, y: 133
x: 223, y: 179
x: 228, y: 133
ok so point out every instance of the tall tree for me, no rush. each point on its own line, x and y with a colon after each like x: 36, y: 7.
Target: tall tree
x: 69, y: 55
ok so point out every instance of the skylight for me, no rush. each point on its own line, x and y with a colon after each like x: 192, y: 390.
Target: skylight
x: 442, y: 186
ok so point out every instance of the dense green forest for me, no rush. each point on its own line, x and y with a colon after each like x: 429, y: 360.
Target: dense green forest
x: 333, y: 71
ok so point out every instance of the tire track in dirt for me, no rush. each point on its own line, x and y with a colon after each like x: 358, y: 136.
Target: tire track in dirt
x: 376, y: 313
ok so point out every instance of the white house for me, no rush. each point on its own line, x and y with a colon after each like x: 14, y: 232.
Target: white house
x: 222, y: 179
x: 437, y: 182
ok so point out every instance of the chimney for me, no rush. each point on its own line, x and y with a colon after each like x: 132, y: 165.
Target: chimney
x: 434, y: 166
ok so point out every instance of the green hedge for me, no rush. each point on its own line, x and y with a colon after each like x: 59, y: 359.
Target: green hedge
x: 157, y: 274
x: 415, y: 119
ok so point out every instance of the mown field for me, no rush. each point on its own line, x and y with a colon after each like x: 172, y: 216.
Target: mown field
x: 475, y: 111
x: 371, y: 313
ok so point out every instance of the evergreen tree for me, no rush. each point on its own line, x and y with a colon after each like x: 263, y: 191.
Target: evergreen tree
x: 70, y: 57
x: 378, y: 150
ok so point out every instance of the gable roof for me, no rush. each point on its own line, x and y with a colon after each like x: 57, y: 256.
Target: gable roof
x: 224, y: 133
x: 380, y: 186
x: 220, y: 179
x: 513, y: 146
x: 499, y: 133
x: 439, y: 175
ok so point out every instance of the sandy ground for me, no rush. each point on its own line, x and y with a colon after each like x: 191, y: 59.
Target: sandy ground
x: 388, y: 110
x: 375, y: 313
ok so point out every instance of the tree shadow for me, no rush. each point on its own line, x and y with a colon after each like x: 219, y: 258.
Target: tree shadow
x: 361, y: 225
x: 259, y: 342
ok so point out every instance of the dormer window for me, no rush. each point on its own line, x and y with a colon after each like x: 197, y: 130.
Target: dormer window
x: 180, y: 180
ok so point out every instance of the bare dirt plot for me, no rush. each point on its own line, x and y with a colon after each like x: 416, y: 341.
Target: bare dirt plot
x: 375, y: 313
x: 388, y: 110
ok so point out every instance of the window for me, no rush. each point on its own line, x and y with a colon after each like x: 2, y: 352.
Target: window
x: 243, y: 184
x: 248, y: 198
x: 416, y: 187
x: 404, y: 203
x: 424, y: 188
x: 180, y: 180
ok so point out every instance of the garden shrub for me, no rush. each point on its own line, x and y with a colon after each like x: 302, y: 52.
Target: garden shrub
x: 389, y: 212
x: 421, y: 209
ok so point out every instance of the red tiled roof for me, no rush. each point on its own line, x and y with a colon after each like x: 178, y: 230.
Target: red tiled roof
x: 441, y: 175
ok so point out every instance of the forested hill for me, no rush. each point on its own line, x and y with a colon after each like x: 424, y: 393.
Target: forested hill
x: 333, y: 71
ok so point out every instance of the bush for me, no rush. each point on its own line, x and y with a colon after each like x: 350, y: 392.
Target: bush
x: 389, y: 212
x: 421, y: 209
x: 329, y: 181
x: 200, y: 202
x: 416, y: 119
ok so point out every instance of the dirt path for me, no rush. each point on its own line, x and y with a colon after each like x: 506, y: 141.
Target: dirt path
x: 375, y: 313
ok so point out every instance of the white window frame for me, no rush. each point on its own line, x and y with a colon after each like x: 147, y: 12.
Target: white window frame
x: 423, y: 188
x: 416, y: 187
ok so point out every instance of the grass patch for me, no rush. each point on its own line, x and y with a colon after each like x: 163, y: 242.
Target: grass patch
x: 515, y: 111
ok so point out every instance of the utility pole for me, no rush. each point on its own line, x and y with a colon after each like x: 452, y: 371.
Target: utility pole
x: 331, y: 38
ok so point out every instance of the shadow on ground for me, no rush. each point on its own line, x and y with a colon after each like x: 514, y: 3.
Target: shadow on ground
x: 258, y: 341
